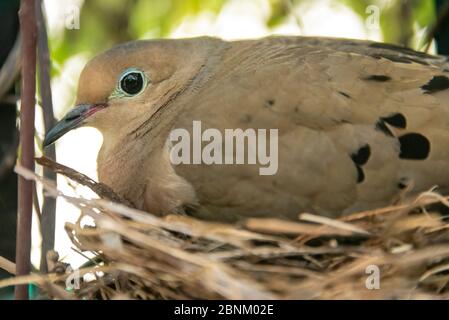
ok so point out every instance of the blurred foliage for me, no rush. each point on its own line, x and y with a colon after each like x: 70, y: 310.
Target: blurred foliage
x: 398, y: 18
x: 107, y: 22
x: 280, y: 9
x: 159, y: 17
x: 442, y: 29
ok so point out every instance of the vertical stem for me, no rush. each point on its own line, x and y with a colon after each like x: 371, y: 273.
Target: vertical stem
x: 441, y: 29
x: 406, y: 21
x: 28, y: 33
x: 49, y: 203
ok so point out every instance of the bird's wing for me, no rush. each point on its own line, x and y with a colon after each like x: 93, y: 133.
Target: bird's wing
x: 357, y: 122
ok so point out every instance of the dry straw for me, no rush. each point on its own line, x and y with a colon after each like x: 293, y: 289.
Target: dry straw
x: 142, y: 256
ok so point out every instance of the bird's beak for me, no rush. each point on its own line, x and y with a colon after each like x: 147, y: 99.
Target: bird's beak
x: 73, y: 119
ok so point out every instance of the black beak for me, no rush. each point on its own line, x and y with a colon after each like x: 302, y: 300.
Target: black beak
x: 72, y: 120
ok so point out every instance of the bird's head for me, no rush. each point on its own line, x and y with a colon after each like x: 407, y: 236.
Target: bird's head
x: 121, y: 88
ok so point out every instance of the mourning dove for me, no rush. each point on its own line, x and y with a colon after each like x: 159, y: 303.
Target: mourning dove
x: 357, y: 122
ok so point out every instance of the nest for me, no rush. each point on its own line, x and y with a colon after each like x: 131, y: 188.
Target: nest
x: 396, y: 252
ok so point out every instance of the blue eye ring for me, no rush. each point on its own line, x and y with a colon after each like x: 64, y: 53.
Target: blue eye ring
x: 132, y: 82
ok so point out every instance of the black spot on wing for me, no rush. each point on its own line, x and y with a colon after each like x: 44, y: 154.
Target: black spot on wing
x: 377, y: 77
x: 396, y: 120
x: 269, y: 103
x: 360, y: 174
x: 381, y: 126
x: 414, y: 146
x: 344, y: 94
x: 436, y: 84
x: 403, y: 183
x: 361, y: 156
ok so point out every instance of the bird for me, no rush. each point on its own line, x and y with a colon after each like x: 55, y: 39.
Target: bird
x: 358, y: 123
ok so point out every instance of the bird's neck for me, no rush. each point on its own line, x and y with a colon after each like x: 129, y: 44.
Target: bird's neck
x: 119, y: 166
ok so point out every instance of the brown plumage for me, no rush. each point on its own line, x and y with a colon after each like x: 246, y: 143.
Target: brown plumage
x: 358, y: 123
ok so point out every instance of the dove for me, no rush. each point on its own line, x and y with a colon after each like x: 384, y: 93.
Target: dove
x: 358, y: 124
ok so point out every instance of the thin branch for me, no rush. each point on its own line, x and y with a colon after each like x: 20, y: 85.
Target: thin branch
x: 49, y: 204
x: 443, y: 15
x: 9, y: 157
x: 28, y: 91
x: 10, y: 69
x: 7, y: 265
x: 100, y: 189
x: 10, y: 99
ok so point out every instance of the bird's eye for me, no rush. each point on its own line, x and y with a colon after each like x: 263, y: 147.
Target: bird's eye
x: 132, y: 82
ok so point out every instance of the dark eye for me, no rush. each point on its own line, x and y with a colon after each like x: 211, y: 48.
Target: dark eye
x: 132, y: 82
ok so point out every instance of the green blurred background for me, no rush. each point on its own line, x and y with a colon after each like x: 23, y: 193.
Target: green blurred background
x: 107, y: 22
